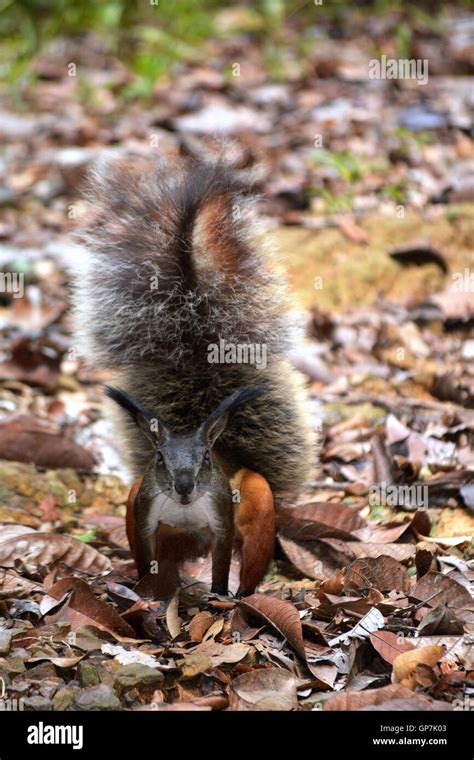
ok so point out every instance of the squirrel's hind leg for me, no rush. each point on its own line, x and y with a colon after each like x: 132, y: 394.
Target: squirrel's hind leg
x: 222, y: 545
x: 254, y: 521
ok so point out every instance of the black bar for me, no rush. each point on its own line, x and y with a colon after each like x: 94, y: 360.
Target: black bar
x: 312, y: 734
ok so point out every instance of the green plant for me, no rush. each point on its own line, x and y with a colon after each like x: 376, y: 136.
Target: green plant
x: 346, y: 164
x: 334, y: 204
x: 403, y: 37
x: 149, y: 37
x: 397, y: 193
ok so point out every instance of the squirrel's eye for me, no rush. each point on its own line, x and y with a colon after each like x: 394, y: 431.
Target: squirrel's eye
x: 159, y: 456
x: 207, y: 456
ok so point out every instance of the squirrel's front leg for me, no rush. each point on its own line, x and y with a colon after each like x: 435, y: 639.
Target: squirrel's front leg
x: 222, y: 545
x: 141, y: 533
x: 144, y: 535
x: 148, y: 544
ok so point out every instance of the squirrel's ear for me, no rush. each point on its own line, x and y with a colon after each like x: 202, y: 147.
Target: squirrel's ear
x: 143, y: 418
x: 218, y: 419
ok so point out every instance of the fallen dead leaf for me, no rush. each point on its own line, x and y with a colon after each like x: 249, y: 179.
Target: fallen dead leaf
x: 265, y: 689
x: 280, y: 614
x: 173, y: 621
x: 405, y: 664
x: 356, y: 700
x: 319, y: 520
x: 305, y: 559
x: 389, y: 645
x: 48, y: 549
x: 199, y: 625
x: 437, y: 589
x: 27, y: 440
x: 383, y: 573
x: 351, y: 550
x: 93, y: 610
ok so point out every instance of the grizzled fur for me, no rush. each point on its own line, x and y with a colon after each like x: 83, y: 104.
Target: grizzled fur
x: 174, y: 267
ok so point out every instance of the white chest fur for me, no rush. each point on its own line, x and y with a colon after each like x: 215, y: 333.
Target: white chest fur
x: 200, y: 514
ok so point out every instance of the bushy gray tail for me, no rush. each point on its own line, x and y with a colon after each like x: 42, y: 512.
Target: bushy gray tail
x: 174, y: 267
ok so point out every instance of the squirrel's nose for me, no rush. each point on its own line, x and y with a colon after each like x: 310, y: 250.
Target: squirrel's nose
x: 184, y: 485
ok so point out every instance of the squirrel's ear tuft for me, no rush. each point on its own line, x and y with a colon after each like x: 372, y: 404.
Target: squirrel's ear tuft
x: 218, y: 419
x: 143, y: 418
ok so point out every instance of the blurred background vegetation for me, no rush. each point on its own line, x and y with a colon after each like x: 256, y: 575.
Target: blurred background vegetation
x: 150, y: 36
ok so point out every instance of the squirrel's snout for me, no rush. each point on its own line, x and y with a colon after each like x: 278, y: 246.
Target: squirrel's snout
x: 184, y: 486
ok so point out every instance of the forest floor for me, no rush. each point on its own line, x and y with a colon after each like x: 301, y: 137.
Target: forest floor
x: 366, y: 191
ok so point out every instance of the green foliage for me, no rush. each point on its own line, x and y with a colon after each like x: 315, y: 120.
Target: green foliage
x: 273, y: 12
x: 89, y: 536
x: 150, y: 37
x: 345, y: 163
x: 403, y: 36
x: 334, y: 204
x: 397, y: 193
x: 406, y: 137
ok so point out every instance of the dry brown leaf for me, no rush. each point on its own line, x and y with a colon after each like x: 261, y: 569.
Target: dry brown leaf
x: 173, y: 621
x: 118, y: 536
x: 11, y: 531
x: 391, y: 532
x: 358, y: 549
x: 334, y: 585
x: 60, y: 662
x: 194, y: 664
x: 282, y: 615
x: 437, y: 590
x: 44, y: 549
x: 423, y: 559
x: 318, y: 520
x: 440, y: 620
x: 383, y: 460
x: 24, y: 439
x: 84, y: 601
x: 359, y: 605
x: 172, y: 707
x: 411, y: 704
x: 220, y: 654
x: 356, y: 700
x: 351, y: 230
x: 383, y: 573
x: 405, y: 664
x: 389, y: 645
x: 325, y: 672
x: 265, y: 689
x: 199, y: 625
x: 214, y: 630
x: 312, y: 558
x: 14, y: 586
x: 239, y: 625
